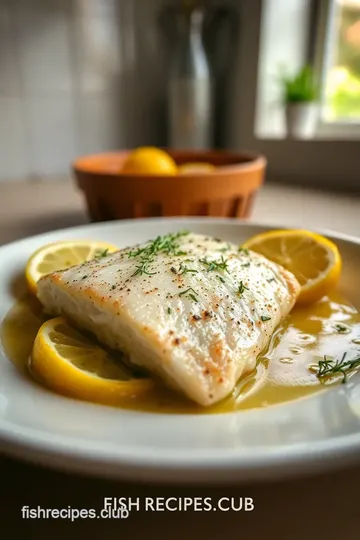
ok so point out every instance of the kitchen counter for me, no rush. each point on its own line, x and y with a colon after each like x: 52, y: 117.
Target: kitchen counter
x: 35, y: 207
x: 323, y: 506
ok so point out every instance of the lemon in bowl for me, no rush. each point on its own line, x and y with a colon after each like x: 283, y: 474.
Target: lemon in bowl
x: 196, y: 167
x: 149, y: 160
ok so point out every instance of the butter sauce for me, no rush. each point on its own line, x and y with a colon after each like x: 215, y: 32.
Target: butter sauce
x: 282, y: 373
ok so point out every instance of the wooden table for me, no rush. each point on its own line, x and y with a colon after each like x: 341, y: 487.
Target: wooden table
x: 325, y: 506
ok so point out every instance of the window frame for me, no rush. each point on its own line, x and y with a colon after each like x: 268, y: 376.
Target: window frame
x: 325, y: 21
x: 313, y: 163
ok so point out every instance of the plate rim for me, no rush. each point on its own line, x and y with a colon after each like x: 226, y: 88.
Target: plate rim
x: 219, y: 220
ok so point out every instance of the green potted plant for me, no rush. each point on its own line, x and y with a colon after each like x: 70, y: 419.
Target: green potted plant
x: 300, y: 97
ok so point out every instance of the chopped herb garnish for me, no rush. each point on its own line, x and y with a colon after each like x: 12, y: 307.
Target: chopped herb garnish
x: 226, y: 248
x: 243, y: 250
x: 102, y: 254
x: 84, y: 277
x: 142, y: 268
x: 113, y: 287
x: 169, y: 310
x: 271, y: 279
x: 221, y: 279
x: 242, y: 288
x: 329, y: 367
x: 341, y: 329
x: 190, y: 293
x: 222, y: 264
x: 137, y: 252
x: 264, y: 318
x: 165, y: 244
x: 185, y: 270
x: 245, y: 265
x: 162, y: 244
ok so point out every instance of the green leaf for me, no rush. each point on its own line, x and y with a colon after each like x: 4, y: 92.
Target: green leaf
x: 301, y: 88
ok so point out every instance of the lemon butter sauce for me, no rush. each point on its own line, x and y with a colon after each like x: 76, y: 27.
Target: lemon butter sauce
x: 329, y: 327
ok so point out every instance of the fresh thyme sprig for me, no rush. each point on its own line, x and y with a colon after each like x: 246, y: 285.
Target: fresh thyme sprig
x: 341, y: 328
x: 162, y: 244
x: 101, y: 254
x: 330, y: 366
x: 183, y: 269
x: 190, y: 293
x: 222, y: 264
x: 166, y: 244
x: 225, y: 248
x: 142, y: 268
x: 242, y: 288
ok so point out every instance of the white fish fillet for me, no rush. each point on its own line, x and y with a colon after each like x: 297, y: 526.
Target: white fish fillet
x: 197, y: 314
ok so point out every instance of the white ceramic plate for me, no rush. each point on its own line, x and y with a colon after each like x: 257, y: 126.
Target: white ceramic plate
x: 322, y: 431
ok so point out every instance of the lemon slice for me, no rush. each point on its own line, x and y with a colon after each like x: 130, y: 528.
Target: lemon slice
x: 69, y: 363
x: 312, y: 258
x: 61, y: 255
x: 196, y: 168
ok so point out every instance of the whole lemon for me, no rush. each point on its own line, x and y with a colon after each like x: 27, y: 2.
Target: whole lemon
x: 196, y: 168
x: 149, y: 160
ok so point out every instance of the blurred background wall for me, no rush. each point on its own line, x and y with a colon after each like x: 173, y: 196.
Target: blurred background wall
x: 76, y: 76
x: 82, y: 76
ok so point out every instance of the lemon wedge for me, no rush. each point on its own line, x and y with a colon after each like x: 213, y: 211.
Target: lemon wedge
x: 69, y: 363
x: 312, y: 258
x: 62, y: 255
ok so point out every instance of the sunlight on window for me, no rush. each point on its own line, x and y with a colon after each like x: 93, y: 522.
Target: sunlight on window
x: 342, y: 81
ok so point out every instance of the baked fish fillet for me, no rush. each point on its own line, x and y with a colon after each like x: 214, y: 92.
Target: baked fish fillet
x: 192, y: 309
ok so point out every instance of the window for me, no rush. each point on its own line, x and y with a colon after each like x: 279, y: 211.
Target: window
x: 340, y: 111
x: 290, y: 33
x: 325, y: 33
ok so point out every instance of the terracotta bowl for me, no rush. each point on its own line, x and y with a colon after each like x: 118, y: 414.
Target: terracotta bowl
x: 228, y: 191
